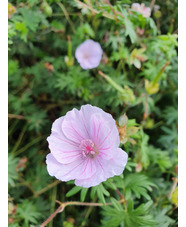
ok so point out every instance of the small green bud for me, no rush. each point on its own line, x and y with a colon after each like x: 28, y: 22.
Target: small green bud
x: 69, y: 62
x: 151, y: 87
x: 46, y: 8
x: 157, y: 14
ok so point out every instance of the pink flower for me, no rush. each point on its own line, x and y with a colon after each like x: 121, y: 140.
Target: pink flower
x: 89, y: 54
x: 84, y: 146
x: 145, y: 11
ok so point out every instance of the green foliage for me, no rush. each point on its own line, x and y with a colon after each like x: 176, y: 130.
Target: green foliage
x: 27, y: 211
x: 136, y: 183
x: 12, y: 174
x: 129, y: 217
x: 136, y: 82
x: 98, y: 191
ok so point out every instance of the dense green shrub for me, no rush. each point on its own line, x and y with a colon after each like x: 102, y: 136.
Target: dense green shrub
x: 137, y: 76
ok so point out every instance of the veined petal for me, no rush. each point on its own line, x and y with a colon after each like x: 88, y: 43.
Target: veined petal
x: 63, y: 149
x: 73, y: 127
x: 105, y: 169
x: 80, y: 168
x: 114, y: 166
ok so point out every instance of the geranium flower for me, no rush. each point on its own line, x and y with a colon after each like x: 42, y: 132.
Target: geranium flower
x: 84, y: 146
x: 145, y: 11
x: 89, y: 54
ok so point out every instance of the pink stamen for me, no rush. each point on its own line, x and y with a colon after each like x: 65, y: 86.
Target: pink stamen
x: 88, y: 148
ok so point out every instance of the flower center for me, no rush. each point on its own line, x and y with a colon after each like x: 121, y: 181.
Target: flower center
x: 88, y: 148
x: 86, y: 55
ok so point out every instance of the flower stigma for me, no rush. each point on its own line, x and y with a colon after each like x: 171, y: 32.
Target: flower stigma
x: 88, y: 148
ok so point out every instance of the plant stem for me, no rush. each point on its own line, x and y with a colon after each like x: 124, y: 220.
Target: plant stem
x: 59, y: 209
x: 15, y: 116
x: 114, y: 84
x: 28, y: 145
x: 53, y: 184
x: 158, y: 76
x: 69, y: 48
x: 152, y: 4
x: 53, y: 199
x: 23, y: 182
x: 75, y: 203
x: 83, y: 5
x: 19, y: 139
x: 66, y: 15
x: 88, y: 212
x: 145, y: 115
x: 173, y: 187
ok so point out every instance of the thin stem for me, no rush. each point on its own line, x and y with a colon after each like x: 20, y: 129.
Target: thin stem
x: 59, y: 209
x: 53, y: 199
x: 173, y: 187
x: 19, y: 139
x: 66, y: 15
x: 152, y: 4
x: 29, y: 145
x: 74, y: 203
x: 69, y: 48
x: 118, y: 192
x: 110, y: 6
x: 145, y: 115
x: 94, y: 10
x: 23, y: 182
x: 88, y: 212
x: 16, y: 116
x: 158, y: 76
x: 114, y: 84
x: 12, y: 127
x: 53, y: 184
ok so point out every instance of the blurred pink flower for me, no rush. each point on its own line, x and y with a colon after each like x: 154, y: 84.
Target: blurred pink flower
x: 89, y: 54
x: 145, y: 11
x: 84, y: 146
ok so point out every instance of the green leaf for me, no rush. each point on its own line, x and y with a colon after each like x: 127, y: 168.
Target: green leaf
x: 73, y: 191
x: 100, y: 191
x: 131, y: 217
x: 21, y: 26
x: 27, y: 212
x: 115, y: 203
x: 130, y: 31
x: 138, y: 184
x: 83, y: 194
x: 12, y: 173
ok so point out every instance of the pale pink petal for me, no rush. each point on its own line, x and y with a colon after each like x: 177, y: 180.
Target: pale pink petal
x: 84, y: 146
x: 105, y: 169
x: 63, y: 149
x: 102, y: 129
x: 104, y: 136
x: 85, y: 64
x: 114, y: 166
x: 142, y: 9
x: 94, y: 180
x: 80, y: 169
x: 136, y: 7
x: 73, y: 128
x: 96, y: 117
x: 53, y: 166
x: 64, y: 154
x: 89, y: 54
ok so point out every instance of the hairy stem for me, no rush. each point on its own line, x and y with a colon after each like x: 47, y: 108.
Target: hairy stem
x: 74, y: 203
